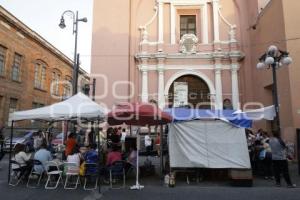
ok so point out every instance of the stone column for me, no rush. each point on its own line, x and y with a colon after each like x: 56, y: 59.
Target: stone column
x: 216, y: 21
x: 204, y: 24
x: 235, y: 84
x: 218, y: 83
x: 160, y: 22
x: 173, y: 23
x: 161, y: 82
x: 144, y: 70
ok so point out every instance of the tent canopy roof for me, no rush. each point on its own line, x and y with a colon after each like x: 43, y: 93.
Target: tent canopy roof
x: 77, y: 106
x: 185, y: 114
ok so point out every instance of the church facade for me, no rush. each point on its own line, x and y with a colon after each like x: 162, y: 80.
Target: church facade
x: 192, y: 53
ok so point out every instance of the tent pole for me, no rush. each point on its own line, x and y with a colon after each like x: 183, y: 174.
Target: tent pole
x: 161, y: 151
x: 10, y: 150
x: 99, y: 154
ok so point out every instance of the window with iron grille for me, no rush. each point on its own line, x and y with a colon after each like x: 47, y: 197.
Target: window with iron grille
x: 39, y: 75
x: 15, y: 75
x: 67, y: 88
x: 55, y: 83
x: 2, y: 60
x: 187, y: 25
x: 13, y: 104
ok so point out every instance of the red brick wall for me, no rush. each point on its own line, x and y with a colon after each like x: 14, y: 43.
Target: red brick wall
x: 31, y: 50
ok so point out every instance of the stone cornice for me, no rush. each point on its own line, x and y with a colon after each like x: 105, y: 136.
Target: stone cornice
x: 203, y: 55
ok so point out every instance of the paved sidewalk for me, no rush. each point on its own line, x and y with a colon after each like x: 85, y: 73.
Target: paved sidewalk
x: 154, y: 189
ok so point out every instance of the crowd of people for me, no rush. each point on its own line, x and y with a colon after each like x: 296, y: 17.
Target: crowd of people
x: 77, y: 150
x: 269, y: 156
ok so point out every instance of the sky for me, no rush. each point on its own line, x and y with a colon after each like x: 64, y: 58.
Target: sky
x: 43, y: 16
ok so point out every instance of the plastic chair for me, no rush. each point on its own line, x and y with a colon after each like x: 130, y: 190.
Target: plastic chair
x: 91, y: 171
x: 35, y: 173
x: 71, y: 170
x: 16, y: 174
x: 117, y: 170
x: 53, y: 170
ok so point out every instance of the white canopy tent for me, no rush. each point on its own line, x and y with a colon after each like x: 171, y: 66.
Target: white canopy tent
x: 77, y: 106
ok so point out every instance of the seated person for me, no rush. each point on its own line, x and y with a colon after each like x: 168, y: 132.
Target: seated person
x: 132, y: 159
x: 75, y: 156
x: 23, y: 159
x: 70, y: 144
x: 42, y: 155
x: 113, y: 156
x: 91, y: 156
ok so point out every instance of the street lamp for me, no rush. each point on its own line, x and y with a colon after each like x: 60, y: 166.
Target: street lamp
x: 274, y: 58
x: 62, y: 25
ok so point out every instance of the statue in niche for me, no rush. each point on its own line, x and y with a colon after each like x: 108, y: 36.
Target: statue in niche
x: 188, y: 44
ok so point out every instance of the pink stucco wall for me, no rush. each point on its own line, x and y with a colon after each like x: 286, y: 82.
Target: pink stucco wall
x: 116, y: 38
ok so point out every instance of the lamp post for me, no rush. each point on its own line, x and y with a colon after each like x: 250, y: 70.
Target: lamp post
x: 274, y: 59
x: 62, y: 25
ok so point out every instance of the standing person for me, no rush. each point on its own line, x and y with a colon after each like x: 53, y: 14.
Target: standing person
x: 1, y: 143
x: 280, y: 163
x: 267, y: 159
x: 123, y: 139
x: 102, y: 138
x: 70, y: 144
x: 157, y: 144
x: 37, y: 140
x: 148, y: 144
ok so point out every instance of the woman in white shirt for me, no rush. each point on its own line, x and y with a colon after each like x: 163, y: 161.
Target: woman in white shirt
x: 22, y: 159
x: 75, y: 157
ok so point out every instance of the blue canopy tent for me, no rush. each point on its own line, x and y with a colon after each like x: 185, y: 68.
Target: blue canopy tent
x: 185, y: 114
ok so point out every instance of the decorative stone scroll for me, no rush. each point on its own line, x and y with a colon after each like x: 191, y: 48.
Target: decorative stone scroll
x: 188, y: 44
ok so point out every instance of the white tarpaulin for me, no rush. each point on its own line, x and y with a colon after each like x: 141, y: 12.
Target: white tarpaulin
x: 77, y: 106
x: 267, y: 113
x: 208, y: 144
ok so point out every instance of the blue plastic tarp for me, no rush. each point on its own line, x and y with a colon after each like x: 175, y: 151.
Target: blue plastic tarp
x: 186, y: 114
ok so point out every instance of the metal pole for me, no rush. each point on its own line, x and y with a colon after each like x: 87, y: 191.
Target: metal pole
x: 161, y: 151
x: 298, y: 149
x: 275, y: 97
x: 94, y: 88
x: 10, y: 150
x: 75, y: 25
x: 99, y: 154
x: 76, y: 73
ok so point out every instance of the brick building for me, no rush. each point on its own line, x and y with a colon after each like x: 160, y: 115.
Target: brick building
x: 33, y: 73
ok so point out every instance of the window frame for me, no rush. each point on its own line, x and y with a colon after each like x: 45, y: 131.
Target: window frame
x: 16, y: 68
x: 55, y: 79
x: 40, y: 70
x: 10, y: 109
x: 3, y: 50
x: 186, y: 28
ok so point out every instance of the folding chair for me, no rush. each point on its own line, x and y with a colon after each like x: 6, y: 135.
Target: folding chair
x: 91, y: 172
x: 52, y: 171
x: 34, y: 173
x: 71, y: 170
x: 16, y: 174
x: 117, y: 171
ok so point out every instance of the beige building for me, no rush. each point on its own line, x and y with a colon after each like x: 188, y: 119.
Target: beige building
x: 199, y: 53
x: 33, y: 73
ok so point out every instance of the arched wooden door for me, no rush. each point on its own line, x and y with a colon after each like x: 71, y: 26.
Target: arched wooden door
x: 187, y: 91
